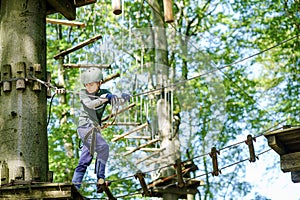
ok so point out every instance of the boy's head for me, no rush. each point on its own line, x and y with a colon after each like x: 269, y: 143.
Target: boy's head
x: 92, y: 79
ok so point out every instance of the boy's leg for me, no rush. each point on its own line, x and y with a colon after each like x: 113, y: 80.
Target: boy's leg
x: 84, y: 161
x: 102, y: 150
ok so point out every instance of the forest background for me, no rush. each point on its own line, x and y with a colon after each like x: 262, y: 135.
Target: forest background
x: 234, y: 70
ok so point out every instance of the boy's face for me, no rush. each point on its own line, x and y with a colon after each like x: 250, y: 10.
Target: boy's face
x: 92, y: 87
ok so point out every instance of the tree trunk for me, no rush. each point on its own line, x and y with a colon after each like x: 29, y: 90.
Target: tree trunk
x: 169, y: 139
x: 23, y: 104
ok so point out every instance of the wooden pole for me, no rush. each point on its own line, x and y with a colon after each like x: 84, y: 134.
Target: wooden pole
x: 168, y: 11
x: 85, y: 66
x: 65, y: 22
x: 120, y: 111
x: 141, y: 146
x: 116, y: 6
x: 79, y: 46
x: 111, y: 77
x: 129, y: 132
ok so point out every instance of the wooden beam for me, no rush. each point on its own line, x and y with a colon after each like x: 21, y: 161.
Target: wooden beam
x: 120, y: 111
x: 127, y: 123
x: 129, y: 132
x: 141, y: 146
x: 65, y: 22
x: 111, y: 77
x: 146, y: 158
x: 138, y: 137
x: 79, y: 46
x: 86, y: 65
x: 276, y: 145
x: 79, y: 3
x: 65, y: 7
x: 40, y: 191
x: 144, y: 149
x: 290, y: 162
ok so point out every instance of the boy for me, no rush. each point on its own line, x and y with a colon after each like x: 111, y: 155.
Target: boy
x: 93, y: 101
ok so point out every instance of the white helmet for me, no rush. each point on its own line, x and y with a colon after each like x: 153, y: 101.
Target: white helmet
x: 91, y: 75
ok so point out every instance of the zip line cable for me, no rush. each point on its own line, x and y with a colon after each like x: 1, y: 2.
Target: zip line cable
x: 216, y: 68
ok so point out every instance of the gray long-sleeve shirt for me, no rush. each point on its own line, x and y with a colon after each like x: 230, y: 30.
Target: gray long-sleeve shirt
x: 92, y: 106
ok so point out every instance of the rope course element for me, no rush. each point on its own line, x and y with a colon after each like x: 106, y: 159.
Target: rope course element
x: 214, y: 151
x: 139, y: 173
x: 196, y: 157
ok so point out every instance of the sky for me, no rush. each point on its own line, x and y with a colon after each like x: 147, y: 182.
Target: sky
x: 271, y: 183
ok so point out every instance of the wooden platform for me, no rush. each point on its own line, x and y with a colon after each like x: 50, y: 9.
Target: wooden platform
x: 40, y: 191
x: 286, y: 142
x: 190, y: 187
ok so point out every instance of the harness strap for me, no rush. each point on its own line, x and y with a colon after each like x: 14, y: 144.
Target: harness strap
x: 92, y: 133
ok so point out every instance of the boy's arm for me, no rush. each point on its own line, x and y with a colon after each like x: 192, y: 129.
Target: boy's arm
x: 92, y: 104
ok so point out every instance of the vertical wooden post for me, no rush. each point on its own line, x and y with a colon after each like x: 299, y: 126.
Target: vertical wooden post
x: 168, y: 11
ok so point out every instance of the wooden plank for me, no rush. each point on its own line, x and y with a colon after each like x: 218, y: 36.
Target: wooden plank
x: 127, y: 123
x: 276, y: 145
x: 129, y: 132
x: 65, y: 7
x: 290, y: 162
x: 141, y: 146
x: 283, y: 131
x: 120, y: 111
x: 40, y: 191
x: 138, y: 137
x: 150, y: 156
x: 116, y: 75
x: 85, y: 65
x: 65, y: 22
x: 79, y: 46
x: 288, y: 139
x: 144, y: 149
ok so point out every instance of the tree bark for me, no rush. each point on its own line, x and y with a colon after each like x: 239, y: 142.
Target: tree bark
x: 23, y: 110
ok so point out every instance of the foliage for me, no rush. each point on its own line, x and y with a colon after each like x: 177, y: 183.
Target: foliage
x: 216, y: 101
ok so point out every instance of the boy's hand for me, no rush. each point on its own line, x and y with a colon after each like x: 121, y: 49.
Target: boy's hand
x: 126, y: 97
x: 112, y: 98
